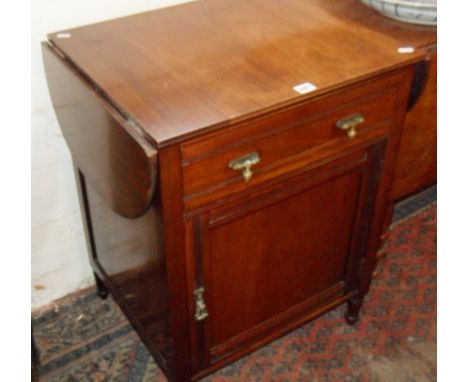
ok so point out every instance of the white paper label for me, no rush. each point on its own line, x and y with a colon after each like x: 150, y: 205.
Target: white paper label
x: 305, y: 88
x: 63, y: 35
x: 406, y: 49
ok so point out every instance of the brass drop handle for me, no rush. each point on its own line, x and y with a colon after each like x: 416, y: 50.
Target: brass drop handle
x: 349, y: 124
x: 245, y: 163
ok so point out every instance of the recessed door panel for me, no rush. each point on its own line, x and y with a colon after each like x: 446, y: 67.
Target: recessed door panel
x: 279, y: 256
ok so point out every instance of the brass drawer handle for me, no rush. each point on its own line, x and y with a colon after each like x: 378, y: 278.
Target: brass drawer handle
x: 245, y: 163
x: 349, y: 124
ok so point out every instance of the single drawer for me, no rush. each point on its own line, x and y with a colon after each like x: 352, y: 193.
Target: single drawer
x: 218, y: 165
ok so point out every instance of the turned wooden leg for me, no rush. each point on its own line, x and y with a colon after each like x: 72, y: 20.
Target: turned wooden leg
x: 101, y: 289
x: 352, y: 314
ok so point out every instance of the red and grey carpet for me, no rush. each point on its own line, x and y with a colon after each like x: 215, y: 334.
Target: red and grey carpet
x: 395, y: 340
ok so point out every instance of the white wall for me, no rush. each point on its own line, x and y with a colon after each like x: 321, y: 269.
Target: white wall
x: 59, y: 257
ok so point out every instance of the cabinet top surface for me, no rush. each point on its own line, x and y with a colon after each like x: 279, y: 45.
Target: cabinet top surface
x: 180, y: 70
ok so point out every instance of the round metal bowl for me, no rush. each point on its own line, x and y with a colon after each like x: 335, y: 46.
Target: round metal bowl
x: 411, y: 11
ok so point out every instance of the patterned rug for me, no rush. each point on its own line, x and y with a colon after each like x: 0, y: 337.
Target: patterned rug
x: 88, y: 339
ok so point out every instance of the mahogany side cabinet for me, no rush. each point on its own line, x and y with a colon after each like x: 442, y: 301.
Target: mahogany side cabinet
x: 234, y: 161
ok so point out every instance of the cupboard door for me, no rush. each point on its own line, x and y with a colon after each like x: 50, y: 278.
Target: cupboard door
x: 265, y: 263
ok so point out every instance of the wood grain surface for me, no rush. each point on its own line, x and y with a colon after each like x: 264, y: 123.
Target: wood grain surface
x: 196, y: 86
x: 416, y: 166
x: 119, y: 163
x: 184, y: 69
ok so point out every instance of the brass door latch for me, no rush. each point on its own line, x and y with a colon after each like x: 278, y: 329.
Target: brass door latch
x: 201, y: 312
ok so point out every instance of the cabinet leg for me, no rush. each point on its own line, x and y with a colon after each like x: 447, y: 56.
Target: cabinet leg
x: 101, y: 289
x: 352, y: 314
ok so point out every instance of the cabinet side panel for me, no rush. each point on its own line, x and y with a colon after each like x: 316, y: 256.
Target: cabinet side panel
x: 416, y: 165
x: 131, y: 254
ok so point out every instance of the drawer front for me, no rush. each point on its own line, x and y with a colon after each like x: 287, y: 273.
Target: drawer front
x: 286, y: 141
